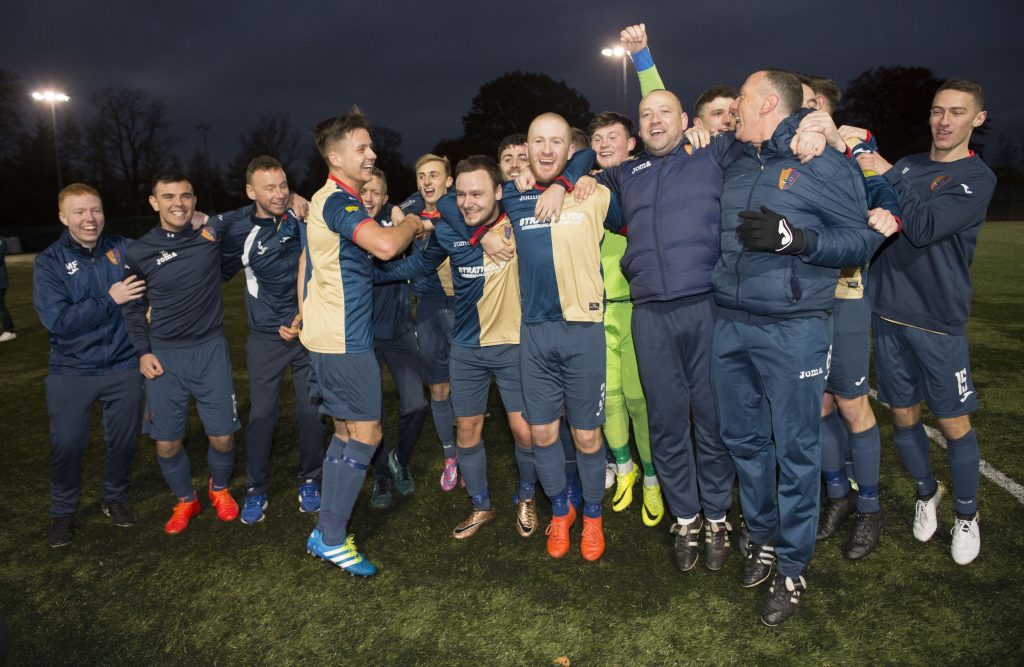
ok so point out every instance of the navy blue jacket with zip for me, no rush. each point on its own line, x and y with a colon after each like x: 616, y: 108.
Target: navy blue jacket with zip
x: 268, y: 249
x: 70, y: 294
x: 671, y: 208
x: 824, y: 198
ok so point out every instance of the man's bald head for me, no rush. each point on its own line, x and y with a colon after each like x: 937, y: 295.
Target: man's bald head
x: 662, y: 121
x: 549, y: 144
x: 767, y: 97
x: 547, y: 122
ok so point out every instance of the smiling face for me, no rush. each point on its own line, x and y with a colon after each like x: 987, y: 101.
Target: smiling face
x: 549, y: 144
x: 612, y: 144
x: 512, y: 160
x: 747, y: 108
x: 432, y: 180
x: 954, y: 115
x: 374, y: 194
x: 477, y: 197
x: 175, y: 202
x: 268, y: 188
x: 662, y: 122
x: 352, y: 158
x: 715, y: 116
x: 83, y: 216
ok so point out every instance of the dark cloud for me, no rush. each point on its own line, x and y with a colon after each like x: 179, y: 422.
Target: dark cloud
x: 415, y: 66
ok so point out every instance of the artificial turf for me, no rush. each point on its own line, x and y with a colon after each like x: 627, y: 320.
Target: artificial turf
x: 234, y: 594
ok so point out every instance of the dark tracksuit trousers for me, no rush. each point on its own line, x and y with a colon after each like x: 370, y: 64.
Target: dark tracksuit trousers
x: 402, y: 357
x: 769, y: 378
x: 69, y: 401
x: 6, y: 323
x: 268, y: 357
x: 673, y: 351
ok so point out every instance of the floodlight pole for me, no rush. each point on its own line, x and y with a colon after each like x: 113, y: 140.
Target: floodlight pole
x: 52, y: 97
x: 619, y: 52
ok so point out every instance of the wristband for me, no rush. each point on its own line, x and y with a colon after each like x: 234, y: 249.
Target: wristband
x: 642, y: 59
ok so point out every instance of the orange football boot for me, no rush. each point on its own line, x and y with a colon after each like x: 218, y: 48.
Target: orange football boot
x: 558, y: 533
x: 592, y: 542
x: 227, y: 508
x: 183, y: 513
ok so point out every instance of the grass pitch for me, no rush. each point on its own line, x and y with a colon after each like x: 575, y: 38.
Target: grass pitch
x: 235, y: 594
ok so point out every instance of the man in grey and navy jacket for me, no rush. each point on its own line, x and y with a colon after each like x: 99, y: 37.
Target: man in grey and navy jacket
x: 79, y: 285
x: 264, y: 239
x: 787, y: 227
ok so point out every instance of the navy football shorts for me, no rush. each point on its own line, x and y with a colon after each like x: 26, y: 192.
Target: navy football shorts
x: 471, y: 372
x: 912, y: 365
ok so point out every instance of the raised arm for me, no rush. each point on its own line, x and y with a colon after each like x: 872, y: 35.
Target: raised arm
x: 634, y: 39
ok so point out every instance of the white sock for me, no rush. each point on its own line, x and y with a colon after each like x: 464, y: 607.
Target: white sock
x: 686, y: 522
x: 624, y: 468
x: 651, y: 480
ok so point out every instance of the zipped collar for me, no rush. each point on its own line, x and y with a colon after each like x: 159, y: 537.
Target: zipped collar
x: 266, y: 222
x: 778, y: 145
x: 69, y: 242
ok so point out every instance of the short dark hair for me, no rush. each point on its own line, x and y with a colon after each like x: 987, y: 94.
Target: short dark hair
x: 169, y: 176
x: 606, y: 118
x: 824, y: 86
x: 261, y: 163
x: 511, y: 140
x: 331, y: 130
x: 787, y: 85
x: 710, y: 94
x: 477, y: 162
x: 973, y: 88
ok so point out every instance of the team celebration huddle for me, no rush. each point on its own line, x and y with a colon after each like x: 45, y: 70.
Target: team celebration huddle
x: 714, y: 288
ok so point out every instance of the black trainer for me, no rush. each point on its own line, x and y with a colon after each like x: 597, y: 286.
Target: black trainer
x: 783, y: 598
x: 687, y: 547
x: 758, y: 566
x: 867, y: 529
x: 119, y: 513
x: 61, y: 530
x: 744, y: 540
x: 833, y: 513
x: 717, y: 545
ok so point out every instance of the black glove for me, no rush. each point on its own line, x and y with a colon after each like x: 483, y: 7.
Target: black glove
x: 769, y: 231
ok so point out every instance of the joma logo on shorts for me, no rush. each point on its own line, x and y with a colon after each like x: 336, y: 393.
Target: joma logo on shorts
x: 811, y: 373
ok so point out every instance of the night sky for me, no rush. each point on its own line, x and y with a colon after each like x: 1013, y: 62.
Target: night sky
x: 415, y: 66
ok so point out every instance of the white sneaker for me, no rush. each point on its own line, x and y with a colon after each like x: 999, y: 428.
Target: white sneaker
x: 966, y: 540
x: 7, y: 335
x: 609, y: 476
x: 925, y: 521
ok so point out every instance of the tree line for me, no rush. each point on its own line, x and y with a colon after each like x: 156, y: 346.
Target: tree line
x: 126, y: 139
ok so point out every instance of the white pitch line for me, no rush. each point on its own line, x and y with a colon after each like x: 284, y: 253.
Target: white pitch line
x: 995, y: 476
